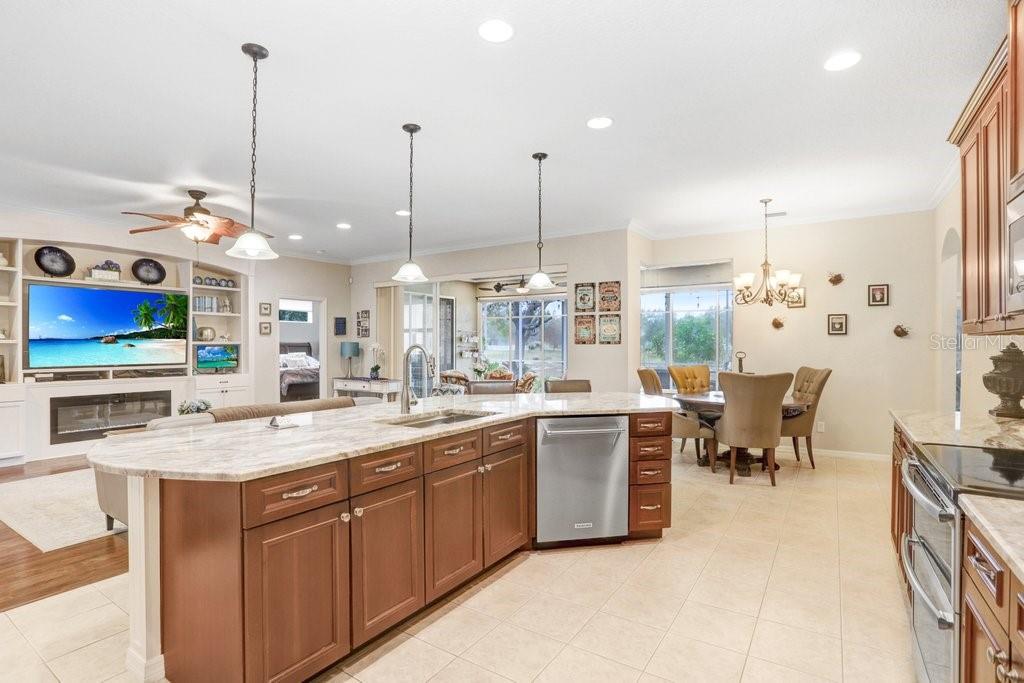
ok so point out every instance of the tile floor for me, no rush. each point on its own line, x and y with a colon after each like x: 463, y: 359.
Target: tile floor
x: 795, y: 583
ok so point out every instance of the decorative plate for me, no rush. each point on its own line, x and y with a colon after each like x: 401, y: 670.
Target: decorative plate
x: 222, y: 282
x: 231, y: 283
x: 148, y: 271
x: 197, y: 279
x: 55, y: 261
x: 209, y: 281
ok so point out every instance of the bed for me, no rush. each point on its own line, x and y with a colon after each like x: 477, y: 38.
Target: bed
x: 298, y: 384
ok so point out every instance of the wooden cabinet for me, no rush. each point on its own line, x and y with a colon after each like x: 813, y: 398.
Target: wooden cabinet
x: 297, y: 594
x: 1015, y: 40
x: 650, y: 507
x: 453, y: 517
x: 983, y: 641
x: 506, y: 527
x: 900, y: 502
x: 387, y: 558
x: 377, y: 470
x: 451, y: 450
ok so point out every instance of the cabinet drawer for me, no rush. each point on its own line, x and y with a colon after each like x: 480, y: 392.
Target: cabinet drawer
x: 650, y: 449
x: 377, y: 470
x: 282, y: 495
x: 650, y: 472
x: 988, y: 571
x: 504, y: 436
x: 650, y: 507
x: 650, y: 424
x: 451, y: 450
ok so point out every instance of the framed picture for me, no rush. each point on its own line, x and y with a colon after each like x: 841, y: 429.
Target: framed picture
x: 266, y: 309
x: 340, y: 327
x: 878, y: 295
x: 797, y: 298
x: 609, y: 329
x: 585, y: 331
x: 265, y: 328
x: 585, y: 297
x: 609, y: 297
x: 837, y: 323
x: 363, y: 323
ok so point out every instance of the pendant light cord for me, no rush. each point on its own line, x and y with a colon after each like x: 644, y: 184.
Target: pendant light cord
x: 765, y: 231
x: 411, y: 133
x: 540, y: 241
x: 252, y: 177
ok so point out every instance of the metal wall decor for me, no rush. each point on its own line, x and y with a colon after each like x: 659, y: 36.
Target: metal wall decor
x: 778, y: 323
x: 901, y: 331
x: 835, y: 279
x: 585, y: 329
x: 609, y: 296
x: 585, y: 297
x: 609, y: 328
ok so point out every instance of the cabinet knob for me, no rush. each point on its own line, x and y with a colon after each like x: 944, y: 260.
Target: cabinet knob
x: 993, y: 656
x: 358, y: 512
x: 488, y: 467
x: 345, y: 517
x: 481, y: 469
x: 1003, y: 674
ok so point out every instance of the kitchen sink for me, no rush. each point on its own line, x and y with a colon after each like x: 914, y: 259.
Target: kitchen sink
x: 437, y: 418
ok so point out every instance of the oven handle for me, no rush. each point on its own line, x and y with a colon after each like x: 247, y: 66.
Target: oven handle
x: 944, y: 619
x: 934, y: 509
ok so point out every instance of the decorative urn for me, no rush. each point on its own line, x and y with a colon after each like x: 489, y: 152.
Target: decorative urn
x: 1006, y: 380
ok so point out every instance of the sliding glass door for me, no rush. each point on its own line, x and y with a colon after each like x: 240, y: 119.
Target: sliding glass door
x: 418, y: 327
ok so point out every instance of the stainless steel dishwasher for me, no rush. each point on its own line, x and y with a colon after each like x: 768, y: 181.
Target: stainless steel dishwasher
x: 582, y: 478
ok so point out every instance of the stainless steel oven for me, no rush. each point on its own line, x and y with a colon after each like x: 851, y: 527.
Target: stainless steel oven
x: 931, y: 562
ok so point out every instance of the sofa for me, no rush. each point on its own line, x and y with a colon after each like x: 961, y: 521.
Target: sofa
x: 112, y: 489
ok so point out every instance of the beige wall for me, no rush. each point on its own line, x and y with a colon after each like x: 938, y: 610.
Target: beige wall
x: 873, y: 370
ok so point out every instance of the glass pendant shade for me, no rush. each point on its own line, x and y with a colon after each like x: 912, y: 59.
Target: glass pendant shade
x: 744, y: 280
x: 196, y: 232
x: 253, y: 246
x: 540, y: 280
x: 409, y: 272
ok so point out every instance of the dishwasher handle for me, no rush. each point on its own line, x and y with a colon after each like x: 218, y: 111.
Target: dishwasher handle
x: 567, y: 432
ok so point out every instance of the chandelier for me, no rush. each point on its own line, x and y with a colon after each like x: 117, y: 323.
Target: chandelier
x: 775, y: 286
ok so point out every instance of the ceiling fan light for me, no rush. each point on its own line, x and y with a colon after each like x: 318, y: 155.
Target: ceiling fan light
x: 196, y: 232
x: 253, y: 246
x: 540, y: 280
x: 409, y: 272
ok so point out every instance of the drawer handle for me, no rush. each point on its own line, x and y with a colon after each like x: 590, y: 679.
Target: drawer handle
x: 301, y: 493
x: 981, y: 564
x: 481, y: 469
x: 358, y: 512
x: 1003, y: 675
x: 649, y: 473
x: 345, y: 517
x: 992, y: 656
x: 454, y: 451
x: 387, y: 468
x: 650, y: 449
x: 505, y: 437
x: 650, y: 507
x: 488, y: 467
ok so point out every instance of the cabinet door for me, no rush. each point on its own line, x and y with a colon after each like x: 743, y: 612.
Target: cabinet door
x: 1016, y: 87
x: 214, y: 396
x: 387, y: 558
x: 983, y: 642
x: 970, y: 177
x: 505, y: 496
x: 993, y: 208
x: 453, y: 515
x: 297, y: 594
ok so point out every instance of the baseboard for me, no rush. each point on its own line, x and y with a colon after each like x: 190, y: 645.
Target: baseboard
x: 12, y: 461
x: 833, y: 453
x: 145, y: 670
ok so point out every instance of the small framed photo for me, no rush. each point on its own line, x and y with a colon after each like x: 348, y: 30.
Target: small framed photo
x: 797, y: 298
x: 340, y: 327
x: 266, y: 309
x: 878, y: 295
x: 837, y: 323
x: 265, y: 328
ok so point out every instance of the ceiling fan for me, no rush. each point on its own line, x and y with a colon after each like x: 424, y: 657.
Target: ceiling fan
x: 198, y: 224
x: 519, y: 286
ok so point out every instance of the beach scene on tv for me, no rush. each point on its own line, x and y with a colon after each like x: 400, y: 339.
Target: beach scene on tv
x: 216, y: 357
x: 70, y: 326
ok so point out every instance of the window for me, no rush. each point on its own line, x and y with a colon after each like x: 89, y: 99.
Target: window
x: 295, y: 311
x: 418, y: 328
x: 686, y: 326
x: 525, y: 335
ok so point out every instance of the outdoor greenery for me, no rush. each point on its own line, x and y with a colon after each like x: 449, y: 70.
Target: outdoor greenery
x: 166, y: 320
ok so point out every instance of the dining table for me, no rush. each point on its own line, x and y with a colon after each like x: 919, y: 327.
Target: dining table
x: 711, y: 404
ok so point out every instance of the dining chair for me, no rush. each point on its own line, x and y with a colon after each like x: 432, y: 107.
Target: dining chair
x: 690, y: 379
x: 566, y: 386
x: 808, y: 386
x: 685, y: 424
x: 491, y: 386
x: 753, y: 415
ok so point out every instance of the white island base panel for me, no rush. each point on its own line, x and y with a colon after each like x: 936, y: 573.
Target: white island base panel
x: 145, y: 660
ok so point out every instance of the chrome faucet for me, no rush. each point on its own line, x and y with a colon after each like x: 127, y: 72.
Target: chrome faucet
x: 409, y: 398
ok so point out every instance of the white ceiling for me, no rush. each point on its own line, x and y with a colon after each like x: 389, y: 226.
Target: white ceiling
x: 123, y: 104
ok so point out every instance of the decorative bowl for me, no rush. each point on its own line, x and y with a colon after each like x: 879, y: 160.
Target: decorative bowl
x: 148, y: 271
x: 54, y: 261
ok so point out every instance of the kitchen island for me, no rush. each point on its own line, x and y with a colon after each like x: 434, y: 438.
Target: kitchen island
x: 263, y: 554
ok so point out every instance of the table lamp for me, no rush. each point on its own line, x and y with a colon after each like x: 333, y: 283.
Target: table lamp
x: 349, y: 350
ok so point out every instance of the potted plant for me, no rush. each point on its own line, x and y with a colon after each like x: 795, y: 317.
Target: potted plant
x: 377, y: 351
x: 108, y: 270
x: 200, y: 405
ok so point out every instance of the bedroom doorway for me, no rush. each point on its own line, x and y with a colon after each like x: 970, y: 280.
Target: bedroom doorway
x: 302, y: 344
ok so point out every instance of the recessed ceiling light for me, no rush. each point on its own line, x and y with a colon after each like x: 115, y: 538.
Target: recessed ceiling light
x: 295, y: 237
x: 600, y: 122
x: 841, y: 61
x: 495, y: 31
x: 402, y: 212
x: 344, y: 226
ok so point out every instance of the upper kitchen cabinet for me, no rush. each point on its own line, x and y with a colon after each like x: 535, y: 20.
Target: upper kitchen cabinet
x: 1015, y: 40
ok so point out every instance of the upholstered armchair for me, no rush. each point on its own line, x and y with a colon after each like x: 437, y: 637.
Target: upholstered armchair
x: 499, y: 372
x: 753, y: 415
x: 690, y: 379
x: 685, y: 424
x: 808, y: 386
x: 524, y: 385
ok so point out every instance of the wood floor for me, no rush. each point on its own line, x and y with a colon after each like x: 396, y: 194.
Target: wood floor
x: 28, y: 574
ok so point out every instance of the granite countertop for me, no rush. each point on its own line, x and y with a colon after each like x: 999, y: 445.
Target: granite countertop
x: 924, y: 426
x: 1001, y: 521
x: 248, y: 449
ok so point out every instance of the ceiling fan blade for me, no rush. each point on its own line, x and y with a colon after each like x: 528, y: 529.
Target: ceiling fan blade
x: 135, y: 231
x: 214, y: 238
x: 165, y: 217
x: 234, y: 229
x: 218, y: 223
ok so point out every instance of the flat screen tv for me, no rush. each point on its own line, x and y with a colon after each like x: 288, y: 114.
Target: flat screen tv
x: 216, y: 356
x: 79, y: 326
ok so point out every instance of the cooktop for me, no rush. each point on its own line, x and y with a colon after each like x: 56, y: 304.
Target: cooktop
x: 977, y: 470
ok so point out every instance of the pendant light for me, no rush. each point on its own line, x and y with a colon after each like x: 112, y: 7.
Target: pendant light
x: 252, y: 244
x: 410, y: 272
x: 540, y: 279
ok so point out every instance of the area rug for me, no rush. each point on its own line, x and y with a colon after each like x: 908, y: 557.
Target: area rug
x: 55, y: 511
